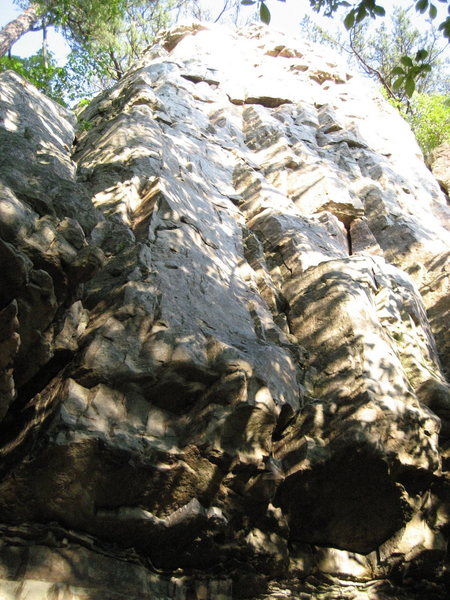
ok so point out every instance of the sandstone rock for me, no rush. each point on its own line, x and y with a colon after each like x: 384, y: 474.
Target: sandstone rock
x: 440, y: 165
x: 223, y: 334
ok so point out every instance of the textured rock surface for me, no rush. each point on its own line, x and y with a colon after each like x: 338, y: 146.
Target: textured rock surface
x: 440, y: 165
x: 223, y: 334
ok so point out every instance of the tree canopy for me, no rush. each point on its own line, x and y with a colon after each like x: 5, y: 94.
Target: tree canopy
x: 85, y: 20
x: 104, y: 37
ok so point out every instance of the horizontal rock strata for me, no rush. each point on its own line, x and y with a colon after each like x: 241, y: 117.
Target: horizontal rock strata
x: 223, y: 334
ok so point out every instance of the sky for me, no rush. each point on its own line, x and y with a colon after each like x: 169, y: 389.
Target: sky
x: 31, y: 42
x: 286, y: 16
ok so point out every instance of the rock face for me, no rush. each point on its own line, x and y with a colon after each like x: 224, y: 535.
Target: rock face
x: 224, y: 334
x: 440, y: 165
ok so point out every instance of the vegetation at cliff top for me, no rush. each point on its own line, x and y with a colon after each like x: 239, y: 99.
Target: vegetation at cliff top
x: 430, y: 120
x: 105, y: 39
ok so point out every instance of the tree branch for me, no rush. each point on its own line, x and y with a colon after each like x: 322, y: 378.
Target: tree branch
x: 371, y: 70
x: 117, y: 67
x: 17, y: 27
x: 225, y: 7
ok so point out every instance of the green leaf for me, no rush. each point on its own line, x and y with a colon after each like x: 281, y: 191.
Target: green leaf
x: 445, y: 27
x: 429, y: 119
x: 421, y: 55
x: 421, y: 6
x: 410, y: 86
x: 398, y: 83
x: 248, y: 2
x: 433, y: 11
x: 264, y: 13
x: 349, y: 20
x: 361, y: 14
x: 398, y: 71
x: 379, y: 10
x: 406, y: 60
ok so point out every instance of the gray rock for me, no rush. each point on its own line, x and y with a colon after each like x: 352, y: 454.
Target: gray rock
x: 223, y: 333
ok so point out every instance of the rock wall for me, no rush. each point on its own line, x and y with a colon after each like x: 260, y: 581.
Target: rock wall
x: 224, y: 334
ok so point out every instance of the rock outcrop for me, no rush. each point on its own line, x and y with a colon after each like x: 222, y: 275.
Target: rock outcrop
x: 440, y: 165
x: 223, y: 334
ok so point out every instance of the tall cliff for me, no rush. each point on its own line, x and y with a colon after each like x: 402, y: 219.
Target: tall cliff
x: 224, y: 313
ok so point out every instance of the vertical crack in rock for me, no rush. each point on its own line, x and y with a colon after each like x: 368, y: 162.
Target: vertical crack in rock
x: 349, y: 239
x: 223, y: 333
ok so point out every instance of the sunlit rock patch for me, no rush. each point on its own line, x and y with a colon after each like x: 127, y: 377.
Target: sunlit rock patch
x: 223, y: 334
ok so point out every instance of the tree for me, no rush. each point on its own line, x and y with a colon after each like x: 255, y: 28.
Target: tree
x: 41, y: 71
x: 81, y: 19
x: 105, y: 38
x: 113, y: 49
x: 378, y: 51
x: 390, y: 48
x: 16, y: 28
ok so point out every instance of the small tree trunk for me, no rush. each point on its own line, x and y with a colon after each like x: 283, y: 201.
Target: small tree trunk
x: 44, y: 44
x: 16, y: 28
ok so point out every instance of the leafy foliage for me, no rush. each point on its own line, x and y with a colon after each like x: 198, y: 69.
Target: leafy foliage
x: 48, y: 78
x: 105, y: 39
x: 364, y: 9
x: 410, y: 71
x: 83, y: 20
x: 113, y: 51
x: 407, y: 59
x: 386, y: 49
x: 264, y: 13
x: 430, y: 120
x: 384, y: 52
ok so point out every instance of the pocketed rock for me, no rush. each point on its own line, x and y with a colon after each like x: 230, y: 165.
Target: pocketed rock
x: 223, y: 340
